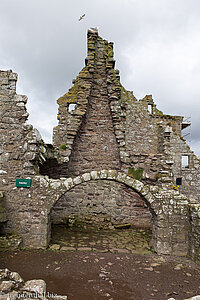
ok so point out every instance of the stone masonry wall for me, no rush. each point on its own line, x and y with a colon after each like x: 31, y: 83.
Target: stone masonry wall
x: 168, y: 208
x: 95, y: 146
x: 2, y: 209
x: 191, y: 173
x: 103, y: 199
x: 107, y: 135
x: 147, y: 142
x: 194, y: 245
x: 109, y: 127
x: 89, y: 141
x: 21, y: 149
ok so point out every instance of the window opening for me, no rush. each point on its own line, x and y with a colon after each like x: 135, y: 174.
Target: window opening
x: 150, y: 108
x: 185, y: 161
x: 179, y: 181
x: 71, y: 107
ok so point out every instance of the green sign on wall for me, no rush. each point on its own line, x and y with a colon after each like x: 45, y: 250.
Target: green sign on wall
x: 23, y: 183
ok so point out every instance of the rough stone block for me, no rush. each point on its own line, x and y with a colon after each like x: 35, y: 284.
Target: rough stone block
x: 145, y: 190
x: 137, y: 185
x: 112, y: 174
x: 163, y: 247
x: 36, y: 286
x: 68, y: 183
x: 54, y: 184
x: 77, y: 180
x: 103, y: 174
x: 94, y: 175
x: 44, y: 182
x: 150, y: 198
x: 86, y: 177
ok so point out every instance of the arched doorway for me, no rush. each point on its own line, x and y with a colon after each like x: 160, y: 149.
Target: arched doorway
x: 103, y: 198
x: 103, y: 204
x: 169, y: 210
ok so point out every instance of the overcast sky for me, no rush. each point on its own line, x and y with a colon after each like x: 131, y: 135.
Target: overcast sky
x: 156, y: 44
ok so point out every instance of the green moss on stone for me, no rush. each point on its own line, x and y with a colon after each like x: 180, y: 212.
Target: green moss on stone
x: 136, y: 174
x: 158, y: 112
x: 126, y: 96
x: 63, y: 147
x: 79, y: 84
x: 110, y: 51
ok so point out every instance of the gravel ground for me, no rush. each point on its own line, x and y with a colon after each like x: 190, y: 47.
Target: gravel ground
x: 83, y: 275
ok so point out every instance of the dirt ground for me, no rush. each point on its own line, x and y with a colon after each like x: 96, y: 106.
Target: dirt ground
x: 83, y: 275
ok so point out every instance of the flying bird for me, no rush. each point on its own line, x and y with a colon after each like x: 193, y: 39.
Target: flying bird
x: 81, y: 17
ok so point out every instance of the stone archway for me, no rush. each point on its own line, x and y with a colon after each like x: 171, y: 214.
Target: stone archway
x: 103, y: 202
x: 115, y: 179
x: 170, y: 222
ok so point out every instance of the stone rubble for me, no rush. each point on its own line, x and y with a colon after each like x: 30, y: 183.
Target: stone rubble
x: 12, y: 286
x: 192, y: 298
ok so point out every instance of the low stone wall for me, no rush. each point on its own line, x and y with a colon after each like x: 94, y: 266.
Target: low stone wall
x: 194, y: 236
x: 12, y: 286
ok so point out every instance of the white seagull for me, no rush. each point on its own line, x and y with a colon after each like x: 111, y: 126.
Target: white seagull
x: 81, y: 17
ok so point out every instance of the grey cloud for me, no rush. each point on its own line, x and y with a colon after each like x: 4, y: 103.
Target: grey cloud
x: 157, y: 48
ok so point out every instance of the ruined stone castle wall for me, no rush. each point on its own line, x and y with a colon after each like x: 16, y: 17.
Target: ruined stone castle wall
x: 85, y: 137
x: 146, y: 143
x: 140, y: 127
x: 95, y: 146
x: 108, y: 128
x: 112, y: 157
x: 21, y: 149
x: 167, y: 207
x: 194, y: 241
x: 190, y: 173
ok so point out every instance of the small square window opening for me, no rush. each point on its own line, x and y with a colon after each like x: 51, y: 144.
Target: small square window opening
x: 71, y: 107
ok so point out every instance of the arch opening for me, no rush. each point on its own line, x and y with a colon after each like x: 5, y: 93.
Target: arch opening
x: 102, y: 210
